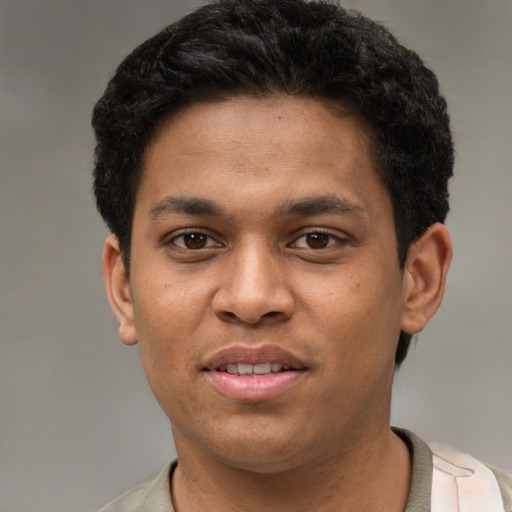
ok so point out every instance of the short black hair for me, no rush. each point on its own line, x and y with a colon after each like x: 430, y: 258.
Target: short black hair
x: 260, y: 48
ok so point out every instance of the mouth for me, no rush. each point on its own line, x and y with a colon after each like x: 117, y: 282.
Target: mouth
x: 247, y: 374
x: 253, y: 370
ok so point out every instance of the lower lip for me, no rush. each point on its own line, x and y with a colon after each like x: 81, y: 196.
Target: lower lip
x: 254, y: 388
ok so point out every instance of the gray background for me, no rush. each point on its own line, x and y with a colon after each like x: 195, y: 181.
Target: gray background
x: 78, y: 423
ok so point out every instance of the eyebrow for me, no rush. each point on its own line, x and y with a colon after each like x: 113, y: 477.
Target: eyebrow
x: 318, y: 205
x: 184, y: 205
x: 305, y: 207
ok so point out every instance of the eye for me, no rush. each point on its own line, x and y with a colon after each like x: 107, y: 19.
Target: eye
x: 317, y: 240
x: 194, y: 240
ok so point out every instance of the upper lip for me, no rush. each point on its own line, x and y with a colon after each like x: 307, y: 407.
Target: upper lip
x: 253, y: 355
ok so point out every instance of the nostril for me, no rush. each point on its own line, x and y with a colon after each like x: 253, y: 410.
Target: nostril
x: 249, y: 318
x: 252, y: 306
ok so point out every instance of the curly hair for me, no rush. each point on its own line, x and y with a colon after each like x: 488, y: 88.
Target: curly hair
x: 304, y: 48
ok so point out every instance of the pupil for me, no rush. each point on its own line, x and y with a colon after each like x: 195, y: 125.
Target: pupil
x: 317, y: 240
x: 195, y: 240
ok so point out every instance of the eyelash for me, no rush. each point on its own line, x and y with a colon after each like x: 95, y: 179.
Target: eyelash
x: 332, y: 240
x: 207, y: 239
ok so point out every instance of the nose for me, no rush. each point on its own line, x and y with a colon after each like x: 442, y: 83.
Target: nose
x: 253, y: 288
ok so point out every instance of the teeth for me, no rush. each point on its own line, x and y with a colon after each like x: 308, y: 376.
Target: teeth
x: 244, y: 369
x: 276, y: 367
x: 260, y: 369
x: 232, y: 368
x: 255, y: 369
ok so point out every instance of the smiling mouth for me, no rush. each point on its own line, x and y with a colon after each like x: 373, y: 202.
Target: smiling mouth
x: 254, y: 374
x: 255, y: 370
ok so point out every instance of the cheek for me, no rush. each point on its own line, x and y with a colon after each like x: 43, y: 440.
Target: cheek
x: 357, y: 309
x: 163, y: 347
x: 168, y: 353
x: 170, y: 314
x: 168, y: 305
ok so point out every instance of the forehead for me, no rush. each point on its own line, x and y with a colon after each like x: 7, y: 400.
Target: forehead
x: 247, y: 121
x: 244, y: 145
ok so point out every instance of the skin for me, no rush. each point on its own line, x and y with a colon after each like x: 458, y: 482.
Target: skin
x: 320, y: 282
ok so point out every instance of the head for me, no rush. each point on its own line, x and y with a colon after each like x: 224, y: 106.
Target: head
x: 263, y: 49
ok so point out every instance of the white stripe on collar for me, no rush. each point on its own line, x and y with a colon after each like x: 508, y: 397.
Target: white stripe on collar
x: 460, y: 483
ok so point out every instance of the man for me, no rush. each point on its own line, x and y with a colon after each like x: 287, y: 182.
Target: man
x: 274, y: 175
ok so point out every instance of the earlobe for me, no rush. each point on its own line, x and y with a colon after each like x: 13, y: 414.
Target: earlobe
x: 118, y: 290
x: 424, y: 279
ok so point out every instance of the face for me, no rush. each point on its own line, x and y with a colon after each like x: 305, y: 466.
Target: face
x: 265, y: 291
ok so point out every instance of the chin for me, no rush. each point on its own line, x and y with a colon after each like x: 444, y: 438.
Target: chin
x: 266, y: 463
x: 264, y: 451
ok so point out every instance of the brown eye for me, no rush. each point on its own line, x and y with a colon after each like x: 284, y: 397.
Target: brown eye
x: 317, y: 240
x: 194, y: 241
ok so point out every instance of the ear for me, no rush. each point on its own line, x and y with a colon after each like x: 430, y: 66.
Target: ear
x: 118, y: 290
x: 424, y: 278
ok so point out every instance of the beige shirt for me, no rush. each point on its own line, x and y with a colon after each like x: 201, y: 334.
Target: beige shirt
x: 453, y: 474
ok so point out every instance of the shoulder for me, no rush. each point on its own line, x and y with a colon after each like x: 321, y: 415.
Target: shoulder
x: 153, y: 496
x: 128, y: 501
x: 446, y: 479
x: 472, y: 481
x: 504, y: 479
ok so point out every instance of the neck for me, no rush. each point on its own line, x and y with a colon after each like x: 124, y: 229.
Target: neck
x: 374, y: 474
